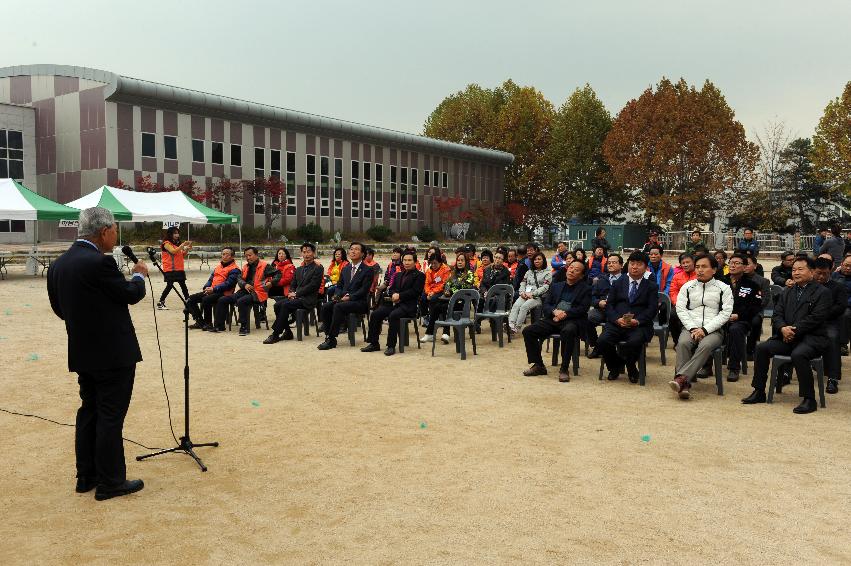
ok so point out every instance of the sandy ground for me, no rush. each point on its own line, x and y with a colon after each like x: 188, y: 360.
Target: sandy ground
x: 344, y: 457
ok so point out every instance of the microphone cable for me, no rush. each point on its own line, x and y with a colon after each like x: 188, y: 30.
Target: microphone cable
x: 160, y: 350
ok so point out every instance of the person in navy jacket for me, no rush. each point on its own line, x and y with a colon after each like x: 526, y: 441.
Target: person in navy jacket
x: 350, y: 296
x: 633, y: 303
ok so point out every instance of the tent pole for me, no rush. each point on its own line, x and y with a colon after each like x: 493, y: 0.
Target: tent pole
x: 240, y: 236
x: 119, y: 233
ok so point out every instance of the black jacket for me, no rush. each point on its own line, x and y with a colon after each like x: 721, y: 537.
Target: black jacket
x: 644, y: 307
x: 807, y: 315
x: 779, y: 275
x: 839, y: 301
x: 579, y: 305
x: 600, y: 290
x: 358, y: 288
x: 409, y: 286
x: 91, y: 295
x: 747, y: 298
x: 491, y: 277
x: 306, y: 282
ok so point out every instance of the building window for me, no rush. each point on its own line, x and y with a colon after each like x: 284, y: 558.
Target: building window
x: 324, y: 188
x: 198, y: 151
x: 170, y: 147
x: 435, y: 177
x: 414, y: 189
x: 311, y: 185
x: 367, y: 190
x: 275, y: 164
x: 291, y: 206
x: 393, y: 192
x: 426, y: 177
x: 259, y: 204
x: 217, y: 156
x: 12, y: 157
x: 259, y: 163
x: 355, y: 189
x: 403, y: 183
x: 149, y: 145
x: 235, y: 155
x: 338, y: 187
x: 379, y: 187
x: 582, y: 234
x: 445, y: 180
x: 12, y: 225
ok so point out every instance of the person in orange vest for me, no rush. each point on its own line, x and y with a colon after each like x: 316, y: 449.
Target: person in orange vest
x: 220, y: 284
x: 279, y: 274
x: 485, y: 261
x: 250, y: 291
x: 660, y: 270
x: 597, y: 264
x: 174, y: 252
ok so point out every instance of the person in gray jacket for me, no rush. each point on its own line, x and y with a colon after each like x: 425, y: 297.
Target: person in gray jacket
x: 704, y: 306
x: 835, y: 246
x: 535, y: 284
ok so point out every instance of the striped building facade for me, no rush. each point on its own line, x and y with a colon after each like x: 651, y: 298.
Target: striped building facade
x: 93, y: 128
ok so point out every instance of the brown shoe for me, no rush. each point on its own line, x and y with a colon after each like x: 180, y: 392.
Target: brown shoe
x: 563, y: 376
x: 535, y: 369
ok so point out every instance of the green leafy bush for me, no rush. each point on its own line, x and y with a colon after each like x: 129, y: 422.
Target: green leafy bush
x: 426, y: 234
x: 310, y: 232
x: 379, y: 233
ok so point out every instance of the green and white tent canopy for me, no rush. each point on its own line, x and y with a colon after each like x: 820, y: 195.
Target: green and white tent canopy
x: 19, y: 203
x: 172, y: 206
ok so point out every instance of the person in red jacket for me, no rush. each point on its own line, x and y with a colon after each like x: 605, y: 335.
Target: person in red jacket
x: 279, y: 274
x: 686, y: 274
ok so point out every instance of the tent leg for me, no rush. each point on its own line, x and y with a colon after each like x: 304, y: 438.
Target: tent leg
x: 240, y: 236
x: 119, y: 233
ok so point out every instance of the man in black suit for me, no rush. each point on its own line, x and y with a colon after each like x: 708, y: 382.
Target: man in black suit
x: 599, y: 295
x: 799, y: 331
x: 397, y: 301
x: 90, y: 294
x: 565, y: 312
x: 304, y: 294
x: 351, y: 295
x: 633, y: 302
x: 838, y: 301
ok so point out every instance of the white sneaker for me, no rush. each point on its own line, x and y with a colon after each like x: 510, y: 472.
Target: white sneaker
x: 445, y: 338
x: 427, y: 338
x: 162, y: 307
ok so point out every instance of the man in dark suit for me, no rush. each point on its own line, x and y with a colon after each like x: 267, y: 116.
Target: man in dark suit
x: 799, y: 331
x: 90, y: 294
x: 633, y: 302
x: 304, y: 294
x: 350, y: 296
x: 838, y: 301
x: 565, y: 312
x: 397, y: 301
x: 599, y: 295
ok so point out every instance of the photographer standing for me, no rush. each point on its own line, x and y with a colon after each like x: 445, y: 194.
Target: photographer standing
x: 90, y: 294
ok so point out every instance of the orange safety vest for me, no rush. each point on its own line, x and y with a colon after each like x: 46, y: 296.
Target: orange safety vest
x: 602, y: 263
x: 261, y: 293
x: 220, y: 275
x: 172, y: 262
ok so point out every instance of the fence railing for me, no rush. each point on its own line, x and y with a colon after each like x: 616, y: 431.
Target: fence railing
x: 768, y: 242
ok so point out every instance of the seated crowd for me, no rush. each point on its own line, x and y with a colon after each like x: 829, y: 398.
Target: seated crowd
x: 709, y: 302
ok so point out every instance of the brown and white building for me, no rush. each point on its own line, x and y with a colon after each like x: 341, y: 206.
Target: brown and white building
x: 80, y: 128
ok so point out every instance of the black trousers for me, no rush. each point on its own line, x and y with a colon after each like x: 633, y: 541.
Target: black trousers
x: 832, y: 357
x: 756, y: 333
x: 801, y: 352
x: 283, y: 310
x: 535, y: 334
x: 170, y: 285
x: 392, y: 313
x: 436, y: 309
x: 98, y: 445
x: 335, y: 314
x: 736, y: 346
x: 634, y: 339
x: 243, y: 301
x: 199, y: 302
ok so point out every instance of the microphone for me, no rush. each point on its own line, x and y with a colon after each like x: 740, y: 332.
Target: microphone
x: 126, y: 250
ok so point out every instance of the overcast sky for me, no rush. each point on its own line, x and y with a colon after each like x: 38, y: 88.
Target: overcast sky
x: 389, y: 63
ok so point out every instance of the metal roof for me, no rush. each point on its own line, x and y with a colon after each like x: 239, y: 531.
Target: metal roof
x: 147, y: 93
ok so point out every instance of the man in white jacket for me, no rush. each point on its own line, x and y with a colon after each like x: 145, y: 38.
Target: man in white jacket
x: 704, y: 306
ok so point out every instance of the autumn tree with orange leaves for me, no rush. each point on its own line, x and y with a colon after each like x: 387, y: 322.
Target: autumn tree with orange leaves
x: 683, y: 152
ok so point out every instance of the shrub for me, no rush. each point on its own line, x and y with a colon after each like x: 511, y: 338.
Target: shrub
x: 310, y: 232
x: 379, y: 233
x: 426, y: 234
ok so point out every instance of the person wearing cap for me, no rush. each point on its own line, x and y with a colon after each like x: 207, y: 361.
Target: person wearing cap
x: 653, y: 242
x: 470, y: 254
x: 632, y: 304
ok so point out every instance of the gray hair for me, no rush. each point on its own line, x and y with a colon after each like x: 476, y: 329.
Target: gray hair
x: 93, y: 220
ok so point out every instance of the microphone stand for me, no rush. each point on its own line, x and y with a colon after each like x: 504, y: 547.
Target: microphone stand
x: 186, y: 445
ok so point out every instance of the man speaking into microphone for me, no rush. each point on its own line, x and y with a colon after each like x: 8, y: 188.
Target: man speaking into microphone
x: 91, y: 295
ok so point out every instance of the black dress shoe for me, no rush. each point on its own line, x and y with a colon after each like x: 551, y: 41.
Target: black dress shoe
x: 564, y: 376
x: 389, y: 351
x: 807, y: 406
x: 370, y: 348
x: 287, y: 335
x: 632, y: 373
x: 244, y: 331
x: 832, y: 386
x: 613, y: 375
x: 109, y: 491
x: 535, y: 369
x: 272, y: 339
x: 328, y: 344
x: 593, y: 354
x: 733, y: 376
x: 85, y: 485
x: 758, y: 396
x: 196, y: 326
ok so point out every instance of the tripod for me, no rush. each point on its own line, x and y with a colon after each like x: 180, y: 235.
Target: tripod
x: 186, y: 445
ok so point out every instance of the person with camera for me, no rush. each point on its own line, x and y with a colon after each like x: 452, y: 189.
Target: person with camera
x: 399, y: 300
x: 174, y: 253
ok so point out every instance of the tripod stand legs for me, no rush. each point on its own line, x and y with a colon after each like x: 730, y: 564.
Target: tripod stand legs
x: 186, y: 446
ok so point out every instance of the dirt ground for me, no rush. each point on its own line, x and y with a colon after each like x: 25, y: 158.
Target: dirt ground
x: 345, y: 457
